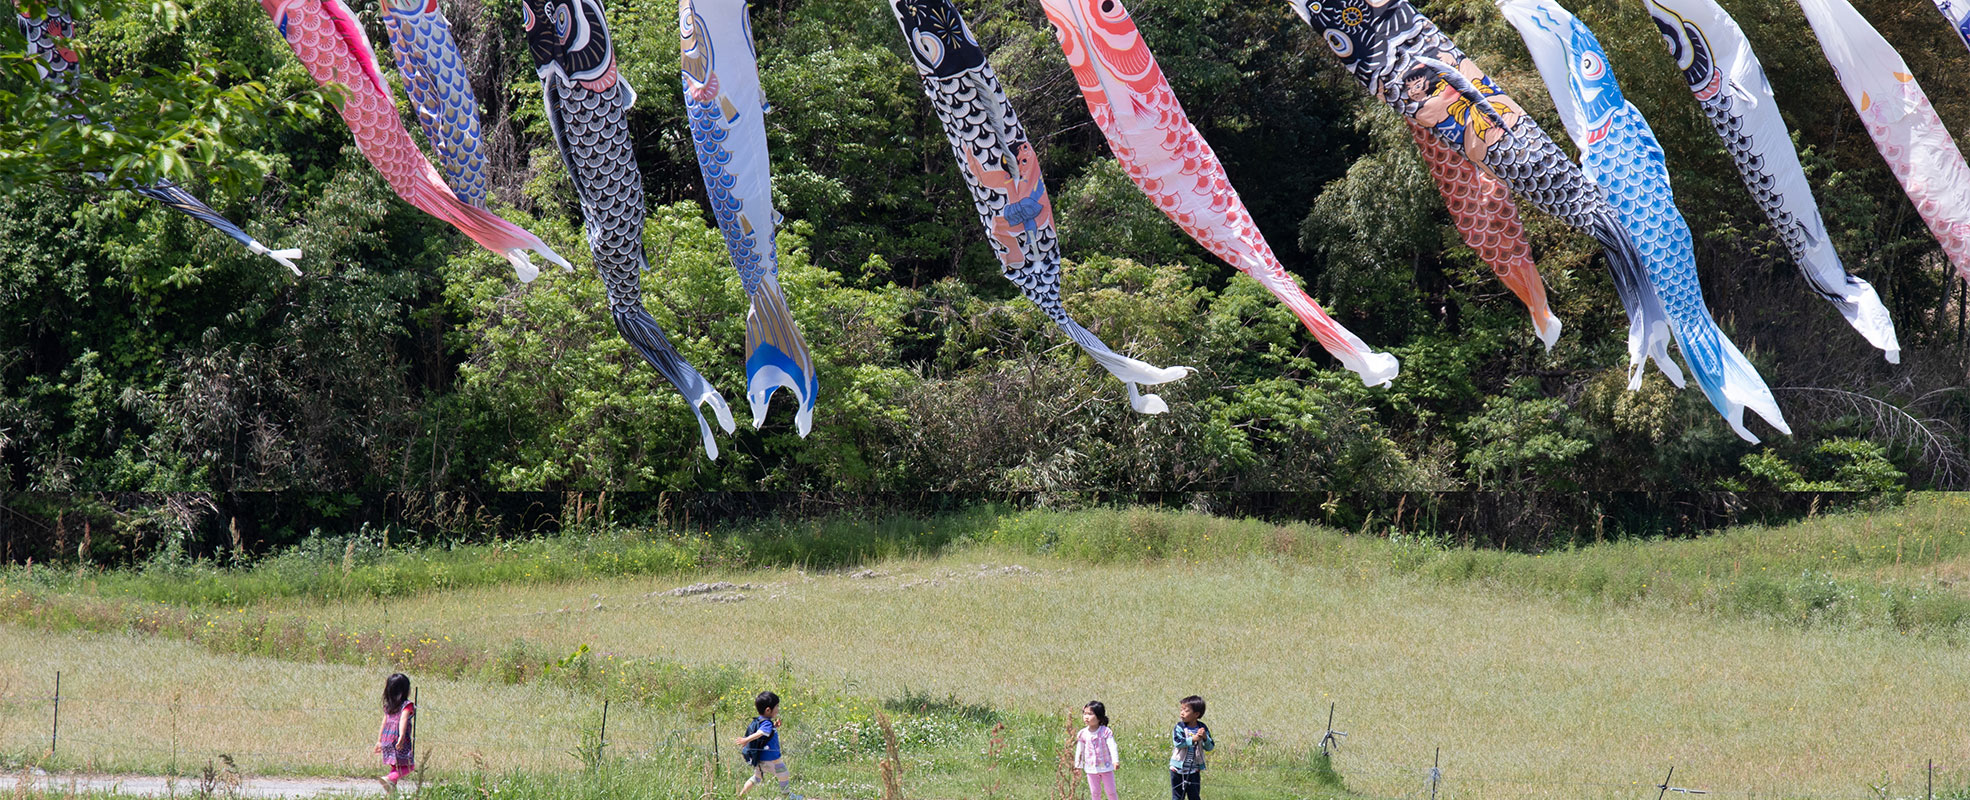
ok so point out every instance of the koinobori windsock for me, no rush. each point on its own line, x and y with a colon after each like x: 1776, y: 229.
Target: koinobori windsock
x: 1906, y: 130
x: 1003, y: 173
x: 435, y: 79
x: 587, y: 106
x: 1730, y: 86
x: 1400, y: 57
x: 330, y: 43
x: 727, y: 113
x: 1958, y: 14
x: 1169, y: 160
x: 1488, y: 221
x: 1621, y: 154
x: 57, y: 63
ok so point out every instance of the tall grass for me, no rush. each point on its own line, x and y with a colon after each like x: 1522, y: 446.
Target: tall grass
x: 1855, y: 568
x: 363, y: 565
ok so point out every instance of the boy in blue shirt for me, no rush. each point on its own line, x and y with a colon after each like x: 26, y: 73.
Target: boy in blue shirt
x: 1188, y: 742
x: 760, y: 747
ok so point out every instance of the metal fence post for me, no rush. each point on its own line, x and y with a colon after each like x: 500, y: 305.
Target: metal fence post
x: 602, y: 738
x: 55, y: 732
x: 1436, y: 771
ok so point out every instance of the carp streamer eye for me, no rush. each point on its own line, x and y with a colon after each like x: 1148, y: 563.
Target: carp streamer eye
x: 561, y: 15
x: 1591, y: 65
x: 928, y: 47
x: 1341, y: 44
x: 1113, y: 10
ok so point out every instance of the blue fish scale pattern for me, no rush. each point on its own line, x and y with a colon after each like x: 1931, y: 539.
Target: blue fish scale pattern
x: 447, y: 110
x: 1630, y: 165
x: 713, y: 161
x: 1382, y: 42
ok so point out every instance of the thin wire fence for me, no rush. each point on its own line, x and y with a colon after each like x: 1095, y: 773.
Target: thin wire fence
x: 572, y: 739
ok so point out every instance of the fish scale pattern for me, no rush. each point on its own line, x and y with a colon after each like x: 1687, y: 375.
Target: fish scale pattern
x: 1944, y: 204
x: 968, y: 120
x: 329, y: 42
x: 1385, y: 43
x: 1740, y: 106
x: 1170, y: 161
x: 1905, y: 128
x: 587, y: 105
x: 435, y: 78
x: 1620, y: 153
x: 749, y: 255
x: 1488, y: 221
x: 726, y: 110
x: 997, y: 162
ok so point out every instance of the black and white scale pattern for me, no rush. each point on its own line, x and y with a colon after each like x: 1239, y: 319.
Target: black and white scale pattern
x: 977, y: 120
x: 1691, y: 49
x: 587, y: 105
x: 1381, y: 41
x: 980, y: 124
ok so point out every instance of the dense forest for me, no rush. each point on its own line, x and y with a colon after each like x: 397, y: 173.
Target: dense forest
x: 141, y: 351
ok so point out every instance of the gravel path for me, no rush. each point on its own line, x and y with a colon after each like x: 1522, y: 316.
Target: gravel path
x: 153, y: 786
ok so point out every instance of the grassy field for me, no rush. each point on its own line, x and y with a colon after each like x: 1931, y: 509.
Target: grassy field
x: 1823, y: 659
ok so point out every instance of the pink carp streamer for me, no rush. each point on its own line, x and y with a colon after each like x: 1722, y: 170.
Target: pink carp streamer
x: 331, y: 45
x: 1905, y: 129
x: 1488, y: 221
x: 1170, y: 161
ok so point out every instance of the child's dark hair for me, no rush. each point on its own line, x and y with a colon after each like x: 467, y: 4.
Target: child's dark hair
x: 1099, y: 711
x: 396, y: 692
x: 764, y: 701
x: 1196, y: 704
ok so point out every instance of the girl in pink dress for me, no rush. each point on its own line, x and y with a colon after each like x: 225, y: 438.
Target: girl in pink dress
x: 395, y: 739
x: 1095, y: 752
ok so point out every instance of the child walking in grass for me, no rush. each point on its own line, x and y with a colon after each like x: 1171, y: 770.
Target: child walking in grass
x: 1095, y: 753
x: 396, y: 738
x: 1189, y: 741
x: 760, y: 747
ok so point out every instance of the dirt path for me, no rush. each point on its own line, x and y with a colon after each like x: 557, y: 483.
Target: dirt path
x: 153, y: 786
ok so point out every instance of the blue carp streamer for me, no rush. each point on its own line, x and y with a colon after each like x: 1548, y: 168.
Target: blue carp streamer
x: 434, y: 76
x: 1619, y: 151
x: 727, y: 112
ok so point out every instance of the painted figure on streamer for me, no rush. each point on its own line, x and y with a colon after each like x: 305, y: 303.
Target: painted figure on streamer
x: 1028, y: 207
x: 1461, y: 120
x: 1380, y: 41
x: 1010, y: 197
x: 48, y: 37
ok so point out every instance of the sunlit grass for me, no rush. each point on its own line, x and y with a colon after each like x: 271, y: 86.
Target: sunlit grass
x: 1515, y: 688
x: 1818, y: 659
